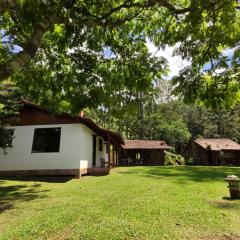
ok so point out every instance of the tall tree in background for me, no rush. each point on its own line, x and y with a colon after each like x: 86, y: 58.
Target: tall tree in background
x: 121, y: 101
x: 207, y: 123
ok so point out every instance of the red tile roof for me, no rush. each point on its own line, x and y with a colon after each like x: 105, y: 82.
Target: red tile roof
x: 218, y: 144
x: 145, y: 144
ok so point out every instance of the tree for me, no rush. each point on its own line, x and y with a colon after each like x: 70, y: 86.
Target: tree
x: 119, y: 97
x: 166, y: 122
x: 62, y: 44
x: 222, y: 123
x: 214, y: 50
x: 9, y: 95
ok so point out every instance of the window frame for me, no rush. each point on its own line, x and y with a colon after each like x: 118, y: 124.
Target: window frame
x: 39, y: 128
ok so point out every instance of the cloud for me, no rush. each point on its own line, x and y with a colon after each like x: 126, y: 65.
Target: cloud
x: 229, y: 52
x: 176, y: 63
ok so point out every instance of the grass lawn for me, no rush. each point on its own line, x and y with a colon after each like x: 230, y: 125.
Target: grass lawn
x: 130, y: 203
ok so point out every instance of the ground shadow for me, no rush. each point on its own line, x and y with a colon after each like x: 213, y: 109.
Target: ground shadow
x: 48, y: 179
x: 228, y: 198
x: 10, y: 194
x: 225, y: 204
x: 220, y: 237
x: 193, y: 173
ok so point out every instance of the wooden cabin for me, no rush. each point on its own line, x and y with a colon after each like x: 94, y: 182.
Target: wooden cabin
x: 216, y: 152
x: 143, y: 152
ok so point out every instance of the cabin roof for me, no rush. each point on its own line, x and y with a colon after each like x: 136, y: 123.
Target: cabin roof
x: 145, y: 144
x: 67, y: 118
x: 217, y: 144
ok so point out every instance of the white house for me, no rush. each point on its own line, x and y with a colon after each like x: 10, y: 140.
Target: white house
x: 47, y: 144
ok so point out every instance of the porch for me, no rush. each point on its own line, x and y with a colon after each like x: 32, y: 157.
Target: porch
x: 106, y: 150
x: 141, y: 157
x: 142, y: 152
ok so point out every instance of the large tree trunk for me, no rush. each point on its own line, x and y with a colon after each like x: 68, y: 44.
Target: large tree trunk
x: 22, y: 58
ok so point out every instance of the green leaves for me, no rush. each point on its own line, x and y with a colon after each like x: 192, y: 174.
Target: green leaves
x: 66, y: 41
x: 9, y: 95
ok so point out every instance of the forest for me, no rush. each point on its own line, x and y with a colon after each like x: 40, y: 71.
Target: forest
x: 163, y: 116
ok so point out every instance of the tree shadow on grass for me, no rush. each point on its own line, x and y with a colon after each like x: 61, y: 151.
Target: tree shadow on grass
x: 184, y: 173
x: 10, y: 194
x: 223, y: 204
x: 47, y: 179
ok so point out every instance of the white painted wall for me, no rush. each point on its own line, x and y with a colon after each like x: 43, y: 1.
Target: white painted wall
x: 75, y: 147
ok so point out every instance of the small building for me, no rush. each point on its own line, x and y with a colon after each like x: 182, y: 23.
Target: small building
x: 49, y: 144
x: 143, y: 152
x: 216, y: 152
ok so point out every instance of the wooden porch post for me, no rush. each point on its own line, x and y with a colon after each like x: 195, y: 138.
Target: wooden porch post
x: 117, y: 154
x: 108, y: 151
x: 94, y: 151
x: 114, y: 154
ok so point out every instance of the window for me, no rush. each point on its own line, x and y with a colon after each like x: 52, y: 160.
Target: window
x: 46, y: 140
x: 100, y: 145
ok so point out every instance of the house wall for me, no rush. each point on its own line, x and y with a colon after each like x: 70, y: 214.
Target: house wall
x: 76, y: 145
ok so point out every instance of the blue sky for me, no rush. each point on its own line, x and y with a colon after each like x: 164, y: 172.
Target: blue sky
x: 176, y: 63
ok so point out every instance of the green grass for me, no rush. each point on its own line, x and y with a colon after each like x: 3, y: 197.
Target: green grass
x: 130, y: 203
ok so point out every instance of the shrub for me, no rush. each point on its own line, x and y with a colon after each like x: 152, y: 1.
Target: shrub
x: 173, y: 159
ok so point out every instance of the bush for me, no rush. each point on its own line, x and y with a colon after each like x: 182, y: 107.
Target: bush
x: 189, y: 161
x: 173, y: 159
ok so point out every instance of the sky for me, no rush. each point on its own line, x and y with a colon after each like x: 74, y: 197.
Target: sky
x: 176, y: 63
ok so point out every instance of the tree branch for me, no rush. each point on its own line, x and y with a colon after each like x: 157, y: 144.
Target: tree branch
x: 6, y: 5
x: 23, y: 58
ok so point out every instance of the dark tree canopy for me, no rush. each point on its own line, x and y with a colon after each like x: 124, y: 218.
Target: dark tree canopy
x: 77, y: 52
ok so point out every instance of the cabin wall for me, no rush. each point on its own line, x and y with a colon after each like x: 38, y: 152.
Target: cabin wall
x: 200, y: 155
x: 230, y: 157
x: 209, y: 157
x: 157, y: 157
x: 76, y: 146
x: 154, y: 157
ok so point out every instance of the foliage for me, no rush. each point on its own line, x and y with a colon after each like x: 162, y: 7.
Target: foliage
x: 70, y: 55
x: 131, y: 203
x: 165, y: 126
x: 222, y: 123
x: 76, y: 53
x: 173, y: 159
x: 6, y: 136
x: 9, y: 95
x: 171, y: 121
x: 213, y: 76
x: 158, y: 121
